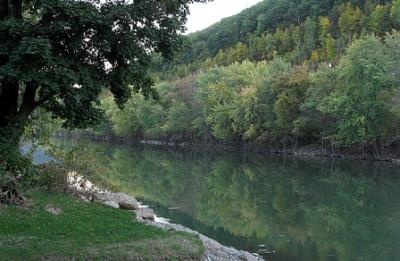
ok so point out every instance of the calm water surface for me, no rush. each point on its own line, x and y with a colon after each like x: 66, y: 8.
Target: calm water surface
x: 281, y: 207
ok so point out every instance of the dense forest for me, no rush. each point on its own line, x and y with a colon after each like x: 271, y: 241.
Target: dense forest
x: 282, y: 72
x: 314, y: 31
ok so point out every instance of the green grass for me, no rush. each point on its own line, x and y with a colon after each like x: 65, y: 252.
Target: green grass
x: 86, y: 231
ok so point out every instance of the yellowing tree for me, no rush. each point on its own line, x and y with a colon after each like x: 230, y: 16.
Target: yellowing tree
x: 350, y: 21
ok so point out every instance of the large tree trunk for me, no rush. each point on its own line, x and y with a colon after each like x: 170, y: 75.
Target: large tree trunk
x: 14, y: 111
x: 4, y: 9
x: 11, y: 135
x: 8, y: 101
x: 10, y: 9
x: 14, y: 117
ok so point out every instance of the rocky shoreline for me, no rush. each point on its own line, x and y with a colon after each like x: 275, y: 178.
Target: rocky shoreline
x: 90, y: 192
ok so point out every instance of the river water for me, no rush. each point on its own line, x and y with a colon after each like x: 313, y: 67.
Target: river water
x: 284, y: 208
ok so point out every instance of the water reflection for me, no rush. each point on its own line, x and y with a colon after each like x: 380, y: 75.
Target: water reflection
x: 285, y: 208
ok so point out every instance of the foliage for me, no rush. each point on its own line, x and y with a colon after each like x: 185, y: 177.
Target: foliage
x: 59, y: 55
x: 16, y: 166
x: 40, y: 129
x: 359, y: 101
x: 53, y: 178
x: 16, y: 173
x: 353, y: 102
x: 301, y: 30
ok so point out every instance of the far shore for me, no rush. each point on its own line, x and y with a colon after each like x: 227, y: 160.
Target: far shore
x: 389, y: 154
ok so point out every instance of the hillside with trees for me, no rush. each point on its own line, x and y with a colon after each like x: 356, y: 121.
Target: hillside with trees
x: 281, y: 73
x: 313, y: 31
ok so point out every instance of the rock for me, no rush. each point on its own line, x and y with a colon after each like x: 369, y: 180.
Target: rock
x: 53, y: 210
x: 145, y: 213
x: 112, y: 204
x: 79, y: 183
x: 247, y: 256
x: 127, y: 206
x: 213, y: 249
x: 123, y: 200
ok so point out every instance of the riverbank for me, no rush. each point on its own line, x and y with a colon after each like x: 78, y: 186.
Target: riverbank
x: 61, y: 227
x: 390, y: 154
x: 213, y: 250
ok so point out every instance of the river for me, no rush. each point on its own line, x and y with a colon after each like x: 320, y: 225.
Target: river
x: 284, y: 208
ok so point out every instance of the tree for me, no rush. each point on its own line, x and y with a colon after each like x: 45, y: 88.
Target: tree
x: 60, y: 54
x: 125, y: 121
x: 178, y: 120
x: 395, y: 12
x: 318, y: 124
x: 290, y: 95
x: 310, y: 32
x: 392, y: 44
x: 358, y: 101
x: 263, y: 115
x: 325, y: 27
x: 349, y: 21
x: 284, y: 39
x: 240, y: 52
x: 314, y: 57
x: 330, y: 48
x: 270, y: 46
x: 151, y: 116
x: 328, y: 42
x: 246, y: 107
x: 379, y: 19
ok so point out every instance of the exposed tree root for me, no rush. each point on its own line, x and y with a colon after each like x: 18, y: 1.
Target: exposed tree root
x: 9, y: 193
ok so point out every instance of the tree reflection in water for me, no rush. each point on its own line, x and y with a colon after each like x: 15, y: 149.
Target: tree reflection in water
x: 302, y: 209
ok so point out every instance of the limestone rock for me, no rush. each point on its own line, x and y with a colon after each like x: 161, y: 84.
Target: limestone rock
x: 123, y: 200
x: 112, y: 204
x: 127, y: 206
x: 145, y: 213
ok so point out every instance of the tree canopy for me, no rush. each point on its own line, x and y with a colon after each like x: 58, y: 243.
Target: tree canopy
x: 60, y: 54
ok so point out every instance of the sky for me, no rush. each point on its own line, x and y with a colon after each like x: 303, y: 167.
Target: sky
x: 204, y: 15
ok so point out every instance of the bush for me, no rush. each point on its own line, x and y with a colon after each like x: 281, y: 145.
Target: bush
x: 16, y: 166
x: 16, y: 173
x: 53, y: 178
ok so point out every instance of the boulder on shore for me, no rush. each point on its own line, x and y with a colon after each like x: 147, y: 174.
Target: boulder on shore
x: 145, y: 213
x: 111, y: 204
x: 123, y: 200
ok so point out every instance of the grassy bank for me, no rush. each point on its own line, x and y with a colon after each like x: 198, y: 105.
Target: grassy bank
x: 85, y: 231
